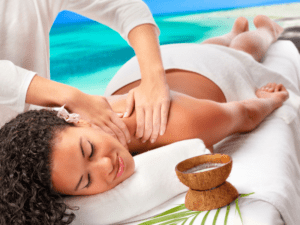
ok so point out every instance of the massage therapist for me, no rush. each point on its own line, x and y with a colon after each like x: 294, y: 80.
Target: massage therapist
x: 25, y: 70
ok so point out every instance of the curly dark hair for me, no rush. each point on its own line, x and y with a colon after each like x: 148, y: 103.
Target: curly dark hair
x: 26, y: 194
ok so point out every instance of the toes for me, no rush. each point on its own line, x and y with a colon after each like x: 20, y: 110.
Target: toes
x: 273, y: 87
x: 270, y: 87
x: 280, y: 87
x: 241, y: 25
x: 262, y: 20
x: 264, y: 88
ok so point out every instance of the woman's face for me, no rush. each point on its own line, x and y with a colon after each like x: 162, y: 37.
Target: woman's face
x: 87, y: 161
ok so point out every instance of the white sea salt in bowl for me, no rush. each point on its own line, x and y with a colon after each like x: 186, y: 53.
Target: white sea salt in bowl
x: 204, y: 172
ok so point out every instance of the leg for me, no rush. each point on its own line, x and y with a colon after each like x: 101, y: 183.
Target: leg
x: 239, y: 26
x: 257, y: 42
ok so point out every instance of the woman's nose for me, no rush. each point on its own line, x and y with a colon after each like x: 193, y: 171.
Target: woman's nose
x: 104, y: 165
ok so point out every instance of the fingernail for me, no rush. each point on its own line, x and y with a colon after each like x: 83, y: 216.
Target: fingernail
x: 144, y: 141
x: 120, y: 114
x: 152, y: 140
x: 161, y: 132
x: 128, y: 141
x: 125, y: 114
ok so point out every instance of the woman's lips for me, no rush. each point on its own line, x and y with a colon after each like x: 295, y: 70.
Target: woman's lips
x: 121, y: 167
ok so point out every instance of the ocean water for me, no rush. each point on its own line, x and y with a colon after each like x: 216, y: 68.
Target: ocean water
x: 86, y: 55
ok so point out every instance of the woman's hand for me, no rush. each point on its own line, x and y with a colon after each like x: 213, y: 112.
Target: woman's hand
x: 98, y: 111
x: 151, y: 100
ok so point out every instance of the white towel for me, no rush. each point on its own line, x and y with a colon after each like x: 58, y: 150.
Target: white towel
x: 235, y: 72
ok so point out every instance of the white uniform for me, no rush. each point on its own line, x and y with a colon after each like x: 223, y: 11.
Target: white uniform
x: 24, y: 39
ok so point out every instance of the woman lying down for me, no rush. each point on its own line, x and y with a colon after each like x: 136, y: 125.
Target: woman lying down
x: 44, y: 157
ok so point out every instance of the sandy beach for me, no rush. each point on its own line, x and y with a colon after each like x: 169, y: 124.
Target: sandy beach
x: 287, y: 15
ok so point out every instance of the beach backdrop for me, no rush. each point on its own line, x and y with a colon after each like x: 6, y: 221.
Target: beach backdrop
x: 86, y: 54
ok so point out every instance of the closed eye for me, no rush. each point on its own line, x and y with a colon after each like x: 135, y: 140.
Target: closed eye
x: 89, y: 181
x: 89, y: 176
x: 92, y: 149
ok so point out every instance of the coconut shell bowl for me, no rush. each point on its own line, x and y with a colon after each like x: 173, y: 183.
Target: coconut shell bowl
x: 206, y: 175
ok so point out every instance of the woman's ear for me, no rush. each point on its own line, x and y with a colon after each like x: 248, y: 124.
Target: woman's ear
x: 83, y: 123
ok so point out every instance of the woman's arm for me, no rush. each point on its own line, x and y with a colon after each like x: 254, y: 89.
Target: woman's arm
x: 208, y: 120
x: 188, y: 118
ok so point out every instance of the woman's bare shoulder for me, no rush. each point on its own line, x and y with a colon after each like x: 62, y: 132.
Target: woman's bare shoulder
x: 117, y: 102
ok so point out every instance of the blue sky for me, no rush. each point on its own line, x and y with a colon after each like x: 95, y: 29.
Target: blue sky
x: 169, y: 6
x: 159, y: 7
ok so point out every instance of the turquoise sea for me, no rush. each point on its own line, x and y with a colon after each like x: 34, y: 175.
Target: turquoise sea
x: 86, y: 55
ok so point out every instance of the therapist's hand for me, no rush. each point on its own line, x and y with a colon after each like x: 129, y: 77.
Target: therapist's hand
x: 93, y: 108
x: 99, y: 112
x: 151, y: 100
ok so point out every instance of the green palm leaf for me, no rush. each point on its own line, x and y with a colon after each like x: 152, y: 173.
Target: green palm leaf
x: 205, y: 217
x: 169, y: 217
x: 192, y: 221
x: 185, y: 221
x: 175, y: 221
x: 245, y: 195
x: 238, y: 208
x: 180, y: 214
x: 226, y: 216
x: 173, y: 210
x: 216, y: 216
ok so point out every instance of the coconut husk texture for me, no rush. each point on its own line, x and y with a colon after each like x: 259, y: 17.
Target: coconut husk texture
x: 211, y: 199
x: 208, y: 179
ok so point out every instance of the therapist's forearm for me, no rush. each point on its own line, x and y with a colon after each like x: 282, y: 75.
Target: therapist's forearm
x: 48, y: 93
x: 144, y: 41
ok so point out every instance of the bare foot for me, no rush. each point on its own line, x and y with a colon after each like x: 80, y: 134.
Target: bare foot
x: 240, y: 25
x: 266, y: 22
x: 273, y: 90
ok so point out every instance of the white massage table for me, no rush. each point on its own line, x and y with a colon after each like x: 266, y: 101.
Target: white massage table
x: 267, y: 137
x: 255, y: 211
x: 265, y: 161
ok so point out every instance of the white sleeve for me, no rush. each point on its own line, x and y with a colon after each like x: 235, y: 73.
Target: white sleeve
x: 14, y: 82
x: 120, y: 15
